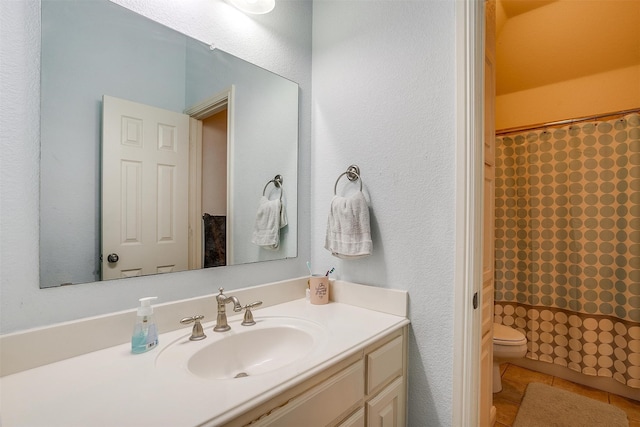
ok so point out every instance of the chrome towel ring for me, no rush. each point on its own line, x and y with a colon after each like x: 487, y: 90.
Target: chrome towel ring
x: 352, y: 173
x: 277, y: 181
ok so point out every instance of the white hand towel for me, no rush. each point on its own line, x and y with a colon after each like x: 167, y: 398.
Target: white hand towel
x: 348, y: 228
x: 270, y: 218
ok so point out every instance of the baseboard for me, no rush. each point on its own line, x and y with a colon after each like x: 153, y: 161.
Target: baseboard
x: 601, y: 383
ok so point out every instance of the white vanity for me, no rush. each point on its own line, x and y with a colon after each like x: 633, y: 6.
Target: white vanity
x: 343, y: 363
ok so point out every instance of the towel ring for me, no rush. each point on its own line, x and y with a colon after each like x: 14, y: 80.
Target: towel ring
x: 277, y: 181
x: 352, y: 173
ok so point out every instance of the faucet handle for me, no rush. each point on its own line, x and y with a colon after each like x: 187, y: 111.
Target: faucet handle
x: 248, y: 316
x: 197, y: 333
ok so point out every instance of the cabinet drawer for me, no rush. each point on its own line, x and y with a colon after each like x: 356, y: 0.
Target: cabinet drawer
x: 324, y: 403
x: 384, y: 364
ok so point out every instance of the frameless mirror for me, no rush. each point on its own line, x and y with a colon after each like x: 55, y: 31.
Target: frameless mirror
x: 113, y: 81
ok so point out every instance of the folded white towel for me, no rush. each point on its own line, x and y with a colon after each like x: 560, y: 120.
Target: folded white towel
x: 348, y: 228
x: 270, y: 218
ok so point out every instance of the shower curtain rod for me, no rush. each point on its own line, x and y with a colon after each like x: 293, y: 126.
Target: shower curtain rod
x: 568, y: 121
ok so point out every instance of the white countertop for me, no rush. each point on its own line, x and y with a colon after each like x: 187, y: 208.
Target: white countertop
x: 113, y: 387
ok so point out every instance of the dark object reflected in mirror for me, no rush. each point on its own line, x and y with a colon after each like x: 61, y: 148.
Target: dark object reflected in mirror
x: 92, y: 49
x: 215, y: 240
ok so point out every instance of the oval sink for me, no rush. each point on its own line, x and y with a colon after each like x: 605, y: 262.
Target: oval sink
x: 251, y: 353
x: 271, y: 344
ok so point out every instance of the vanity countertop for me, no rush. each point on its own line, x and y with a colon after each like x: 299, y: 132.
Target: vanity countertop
x: 113, y: 387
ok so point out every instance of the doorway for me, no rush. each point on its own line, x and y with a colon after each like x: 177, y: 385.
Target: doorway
x: 165, y: 187
x: 211, y: 181
x: 584, y: 76
x: 214, y: 189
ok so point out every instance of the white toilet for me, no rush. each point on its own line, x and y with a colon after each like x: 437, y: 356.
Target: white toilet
x: 508, y: 343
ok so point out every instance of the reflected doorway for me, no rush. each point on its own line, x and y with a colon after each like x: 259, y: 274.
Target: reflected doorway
x: 214, y: 190
x: 211, y: 182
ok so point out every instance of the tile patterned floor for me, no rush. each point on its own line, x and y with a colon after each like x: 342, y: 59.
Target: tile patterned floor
x: 515, y: 380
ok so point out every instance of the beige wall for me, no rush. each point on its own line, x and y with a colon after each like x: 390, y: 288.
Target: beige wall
x: 599, y: 93
x: 214, y: 164
x: 564, y: 59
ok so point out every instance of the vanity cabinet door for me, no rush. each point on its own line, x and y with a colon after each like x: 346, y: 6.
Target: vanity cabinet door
x: 386, y: 388
x: 387, y: 408
x: 366, y: 389
x: 355, y: 420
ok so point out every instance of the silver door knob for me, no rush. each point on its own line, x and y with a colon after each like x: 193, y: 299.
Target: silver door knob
x: 112, y: 258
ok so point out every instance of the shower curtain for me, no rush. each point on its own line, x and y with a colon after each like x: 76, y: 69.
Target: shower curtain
x: 567, y: 244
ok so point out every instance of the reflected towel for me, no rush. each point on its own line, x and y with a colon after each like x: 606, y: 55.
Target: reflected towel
x: 270, y: 218
x: 348, y: 228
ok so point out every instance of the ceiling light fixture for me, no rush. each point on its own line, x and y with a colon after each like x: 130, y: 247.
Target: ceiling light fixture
x: 257, y: 7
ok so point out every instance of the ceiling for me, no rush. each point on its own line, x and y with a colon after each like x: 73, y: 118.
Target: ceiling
x: 541, y: 42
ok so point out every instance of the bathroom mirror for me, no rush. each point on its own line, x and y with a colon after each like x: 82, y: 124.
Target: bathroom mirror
x: 96, y: 49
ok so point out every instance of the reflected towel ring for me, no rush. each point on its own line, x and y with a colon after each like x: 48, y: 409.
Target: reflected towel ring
x: 352, y: 173
x: 277, y: 181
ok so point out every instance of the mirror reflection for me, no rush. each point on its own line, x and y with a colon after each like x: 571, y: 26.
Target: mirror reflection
x: 217, y: 129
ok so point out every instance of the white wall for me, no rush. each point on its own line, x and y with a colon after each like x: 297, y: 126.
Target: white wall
x: 280, y: 42
x: 383, y: 98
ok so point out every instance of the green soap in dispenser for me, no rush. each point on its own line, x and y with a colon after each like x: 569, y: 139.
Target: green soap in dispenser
x: 145, y: 333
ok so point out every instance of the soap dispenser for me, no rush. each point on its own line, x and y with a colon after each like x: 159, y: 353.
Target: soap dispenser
x: 145, y: 333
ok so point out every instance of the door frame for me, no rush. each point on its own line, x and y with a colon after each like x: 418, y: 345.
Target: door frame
x: 469, y: 60
x: 207, y: 108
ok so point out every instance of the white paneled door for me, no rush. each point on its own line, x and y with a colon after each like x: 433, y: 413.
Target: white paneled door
x: 487, y: 409
x: 145, y: 178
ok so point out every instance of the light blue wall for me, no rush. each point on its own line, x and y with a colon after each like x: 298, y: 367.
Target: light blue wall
x: 383, y: 98
x: 265, y: 128
x: 86, y: 57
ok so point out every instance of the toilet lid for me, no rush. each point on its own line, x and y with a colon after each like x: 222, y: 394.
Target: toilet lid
x: 505, y: 335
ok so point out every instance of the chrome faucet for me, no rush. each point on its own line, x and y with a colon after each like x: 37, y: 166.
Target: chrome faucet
x: 221, y: 320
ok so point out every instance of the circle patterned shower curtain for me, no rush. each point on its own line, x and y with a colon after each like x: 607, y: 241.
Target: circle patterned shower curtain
x: 567, y: 244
